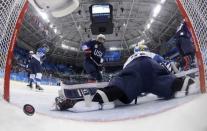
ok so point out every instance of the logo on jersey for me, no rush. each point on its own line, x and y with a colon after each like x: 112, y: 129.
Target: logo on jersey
x: 98, y: 53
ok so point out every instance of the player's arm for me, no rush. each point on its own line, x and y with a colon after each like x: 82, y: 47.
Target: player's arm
x: 158, y: 58
x: 86, y: 49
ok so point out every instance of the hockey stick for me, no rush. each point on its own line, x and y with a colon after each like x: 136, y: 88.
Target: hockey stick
x: 184, y: 73
x: 95, y: 61
x: 84, y: 86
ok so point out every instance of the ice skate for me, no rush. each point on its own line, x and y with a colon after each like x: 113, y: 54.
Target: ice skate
x: 62, y: 103
x: 39, y: 88
x: 30, y: 85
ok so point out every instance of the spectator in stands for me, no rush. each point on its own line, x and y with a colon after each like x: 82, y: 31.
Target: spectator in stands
x: 94, y: 51
x: 185, y: 46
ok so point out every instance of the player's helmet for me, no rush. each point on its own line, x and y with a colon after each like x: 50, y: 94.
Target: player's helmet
x: 46, y: 47
x: 101, y: 38
x: 140, y: 47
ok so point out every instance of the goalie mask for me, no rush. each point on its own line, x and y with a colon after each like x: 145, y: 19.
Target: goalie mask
x: 140, y: 47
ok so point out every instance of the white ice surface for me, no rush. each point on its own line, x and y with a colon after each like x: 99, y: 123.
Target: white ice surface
x: 184, y: 114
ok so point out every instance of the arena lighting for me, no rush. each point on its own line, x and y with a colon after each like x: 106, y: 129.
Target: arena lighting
x: 148, y: 26
x: 157, y: 10
x: 55, y: 30
x: 51, y: 25
x: 162, y: 1
x: 44, y: 16
x: 68, y: 47
x: 151, y: 21
x: 64, y: 46
x: 115, y: 48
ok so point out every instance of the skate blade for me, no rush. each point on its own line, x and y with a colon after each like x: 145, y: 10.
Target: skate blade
x: 38, y: 90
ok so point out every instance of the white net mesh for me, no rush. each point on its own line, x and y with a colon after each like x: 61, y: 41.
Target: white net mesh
x: 197, y: 13
x: 9, y: 12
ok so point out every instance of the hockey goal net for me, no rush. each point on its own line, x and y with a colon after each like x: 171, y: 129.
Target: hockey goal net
x: 12, y: 12
x: 194, y: 13
x: 11, y: 15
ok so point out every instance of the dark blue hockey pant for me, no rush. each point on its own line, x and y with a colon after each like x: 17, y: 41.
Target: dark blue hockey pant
x: 35, y: 66
x: 143, y: 75
x: 92, y: 69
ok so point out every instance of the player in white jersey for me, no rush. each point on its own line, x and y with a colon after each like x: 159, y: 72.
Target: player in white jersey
x: 35, y: 66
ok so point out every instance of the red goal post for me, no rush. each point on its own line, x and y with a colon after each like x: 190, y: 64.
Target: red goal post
x: 12, y: 14
x: 194, y: 13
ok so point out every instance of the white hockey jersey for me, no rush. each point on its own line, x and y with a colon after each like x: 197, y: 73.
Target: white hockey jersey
x: 39, y: 54
x: 154, y: 56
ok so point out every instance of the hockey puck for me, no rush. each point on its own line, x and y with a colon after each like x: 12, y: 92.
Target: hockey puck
x: 28, y: 109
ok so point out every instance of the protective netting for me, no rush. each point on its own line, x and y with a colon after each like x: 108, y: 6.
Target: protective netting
x: 9, y: 12
x: 196, y: 11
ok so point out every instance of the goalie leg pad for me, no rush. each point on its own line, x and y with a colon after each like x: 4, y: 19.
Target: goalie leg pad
x: 88, y: 105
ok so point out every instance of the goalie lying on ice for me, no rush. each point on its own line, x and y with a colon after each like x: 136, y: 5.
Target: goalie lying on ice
x: 141, y: 75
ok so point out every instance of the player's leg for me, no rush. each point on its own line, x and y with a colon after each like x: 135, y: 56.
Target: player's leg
x: 38, y: 75
x: 128, y: 84
x: 168, y: 86
x: 31, y: 80
x: 32, y: 72
x: 38, y: 78
x: 92, y: 70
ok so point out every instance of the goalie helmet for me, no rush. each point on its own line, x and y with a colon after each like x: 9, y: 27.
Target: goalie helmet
x: 140, y: 47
